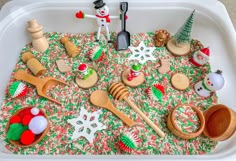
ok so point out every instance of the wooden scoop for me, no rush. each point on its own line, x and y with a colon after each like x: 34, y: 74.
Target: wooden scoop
x: 119, y: 92
x: 41, y: 84
x: 100, y: 98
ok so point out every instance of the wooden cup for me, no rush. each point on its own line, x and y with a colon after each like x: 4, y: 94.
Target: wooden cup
x: 38, y: 137
x: 172, y: 125
x: 220, y: 122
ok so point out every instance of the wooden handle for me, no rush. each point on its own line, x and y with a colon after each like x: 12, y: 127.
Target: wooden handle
x: 121, y: 115
x: 24, y: 76
x: 146, y: 119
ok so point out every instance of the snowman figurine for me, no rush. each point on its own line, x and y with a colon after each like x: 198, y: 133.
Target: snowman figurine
x: 212, y: 82
x: 200, y: 57
x: 102, y: 16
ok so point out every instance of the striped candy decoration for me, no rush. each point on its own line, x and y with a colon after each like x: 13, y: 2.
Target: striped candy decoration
x: 96, y: 53
x: 155, y: 92
x: 128, y: 142
x: 18, y: 89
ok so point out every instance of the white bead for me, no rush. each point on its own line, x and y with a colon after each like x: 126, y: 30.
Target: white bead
x: 34, y: 111
x: 38, y: 124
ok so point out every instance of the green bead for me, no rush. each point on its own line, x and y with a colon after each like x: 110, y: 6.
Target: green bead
x: 14, y: 132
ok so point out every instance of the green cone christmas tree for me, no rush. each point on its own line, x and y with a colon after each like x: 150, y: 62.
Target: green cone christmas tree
x: 183, y: 36
x: 179, y: 45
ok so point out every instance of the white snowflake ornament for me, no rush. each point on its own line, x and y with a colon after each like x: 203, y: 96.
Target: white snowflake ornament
x: 86, y: 124
x: 142, y: 53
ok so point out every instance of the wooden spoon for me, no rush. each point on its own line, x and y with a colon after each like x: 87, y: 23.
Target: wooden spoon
x: 41, y: 84
x: 101, y: 99
x: 119, y: 92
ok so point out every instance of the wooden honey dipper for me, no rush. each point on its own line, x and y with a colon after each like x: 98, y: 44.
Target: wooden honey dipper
x: 120, y: 92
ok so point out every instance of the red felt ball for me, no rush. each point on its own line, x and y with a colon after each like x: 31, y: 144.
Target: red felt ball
x: 25, y: 112
x: 15, y: 119
x: 27, y: 137
x: 26, y: 119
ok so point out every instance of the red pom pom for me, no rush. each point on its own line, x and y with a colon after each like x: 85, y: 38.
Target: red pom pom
x: 15, y: 119
x: 27, y: 137
x: 26, y: 119
x: 25, y: 112
x: 40, y: 114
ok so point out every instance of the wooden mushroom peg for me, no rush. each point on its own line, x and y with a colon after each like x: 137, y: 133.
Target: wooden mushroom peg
x: 71, y: 49
x: 39, y: 42
x: 119, y: 92
x: 33, y: 64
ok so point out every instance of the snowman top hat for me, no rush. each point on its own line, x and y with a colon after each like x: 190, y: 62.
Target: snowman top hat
x: 99, y: 4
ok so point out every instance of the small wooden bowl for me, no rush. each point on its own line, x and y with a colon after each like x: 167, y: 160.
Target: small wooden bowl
x: 220, y: 122
x: 173, y: 127
x: 38, y: 137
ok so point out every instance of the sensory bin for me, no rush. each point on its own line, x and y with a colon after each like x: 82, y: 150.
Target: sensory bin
x: 74, y: 100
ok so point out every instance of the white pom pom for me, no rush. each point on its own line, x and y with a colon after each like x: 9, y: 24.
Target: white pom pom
x: 34, y: 111
x: 38, y: 124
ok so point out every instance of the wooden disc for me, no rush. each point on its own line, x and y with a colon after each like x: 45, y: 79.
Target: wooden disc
x: 137, y: 81
x: 87, y: 83
x: 178, y: 51
x: 180, y: 81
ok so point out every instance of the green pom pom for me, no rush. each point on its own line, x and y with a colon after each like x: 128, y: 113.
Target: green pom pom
x: 15, y: 130
x: 128, y: 141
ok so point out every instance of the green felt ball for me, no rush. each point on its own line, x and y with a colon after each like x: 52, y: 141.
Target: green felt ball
x: 15, y: 130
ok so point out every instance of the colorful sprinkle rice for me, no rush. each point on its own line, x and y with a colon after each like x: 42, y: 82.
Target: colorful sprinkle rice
x: 109, y: 69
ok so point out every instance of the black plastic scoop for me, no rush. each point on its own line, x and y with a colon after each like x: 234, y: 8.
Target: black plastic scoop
x: 123, y: 38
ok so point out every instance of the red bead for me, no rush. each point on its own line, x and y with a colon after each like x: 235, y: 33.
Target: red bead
x: 27, y: 137
x: 26, y: 119
x: 15, y: 119
x: 82, y: 67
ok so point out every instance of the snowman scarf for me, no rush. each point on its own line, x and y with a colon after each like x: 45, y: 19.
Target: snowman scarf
x: 108, y: 20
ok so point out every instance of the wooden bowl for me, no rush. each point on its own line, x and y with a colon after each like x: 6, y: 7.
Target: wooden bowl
x: 173, y: 127
x: 220, y: 122
x: 38, y: 137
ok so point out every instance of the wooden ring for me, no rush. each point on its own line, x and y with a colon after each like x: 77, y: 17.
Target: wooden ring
x: 173, y: 127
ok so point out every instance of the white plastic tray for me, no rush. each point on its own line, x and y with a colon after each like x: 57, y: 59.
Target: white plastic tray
x: 212, y: 26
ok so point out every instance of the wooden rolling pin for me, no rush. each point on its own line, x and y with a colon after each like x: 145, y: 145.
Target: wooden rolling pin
x: 119, y: 92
